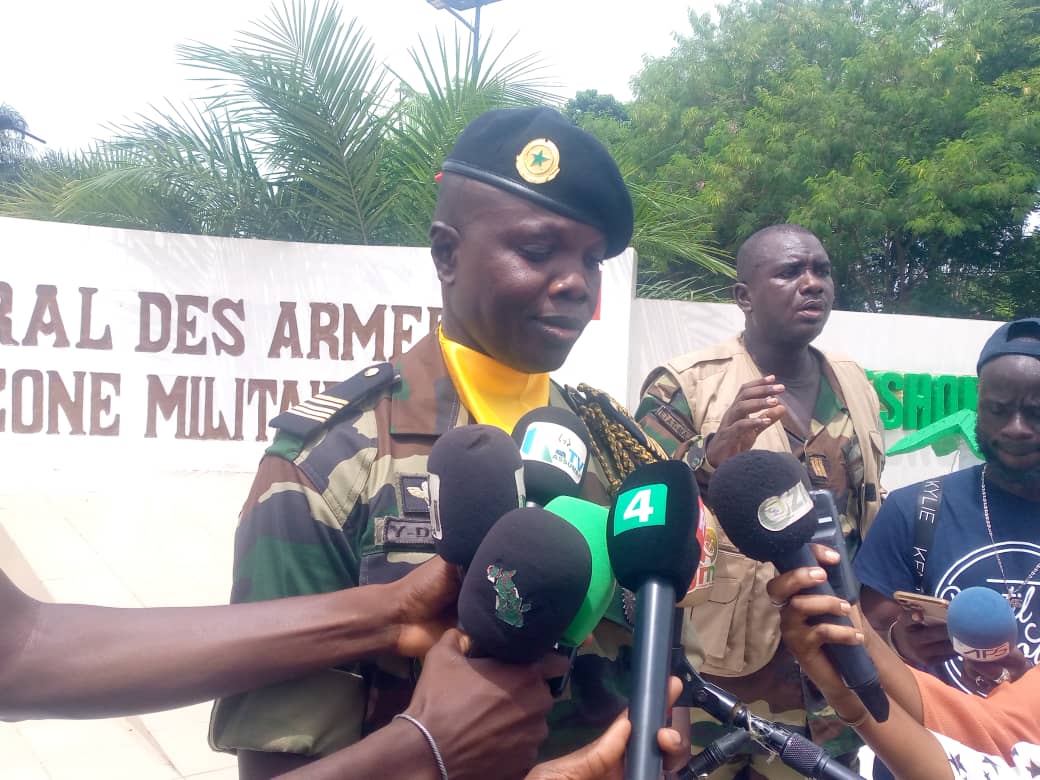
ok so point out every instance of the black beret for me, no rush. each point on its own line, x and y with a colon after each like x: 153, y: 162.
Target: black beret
x: 1012, y: 338
x: 537, y: 154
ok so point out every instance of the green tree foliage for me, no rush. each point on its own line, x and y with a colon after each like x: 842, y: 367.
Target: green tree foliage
x: 904, y: 132
x: 589, y: 103
x: 429, y: 117
x: 15, y: 148
x: 678, y: 258
x: 302, y: 135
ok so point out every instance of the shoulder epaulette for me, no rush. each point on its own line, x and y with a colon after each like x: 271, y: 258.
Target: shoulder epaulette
x: 310, y: 416
x: 615, y: 412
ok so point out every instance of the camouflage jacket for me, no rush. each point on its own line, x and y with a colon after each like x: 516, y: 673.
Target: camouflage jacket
x: 682, y: 404
x: 348, y: 506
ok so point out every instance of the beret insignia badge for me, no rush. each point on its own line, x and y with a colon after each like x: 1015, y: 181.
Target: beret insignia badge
x: 539, y: 161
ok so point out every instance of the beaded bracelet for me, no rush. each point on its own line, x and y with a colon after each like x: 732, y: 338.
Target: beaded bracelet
x: 429, y: 738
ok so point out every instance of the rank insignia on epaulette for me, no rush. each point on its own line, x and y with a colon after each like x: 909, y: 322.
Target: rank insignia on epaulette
x: 317, y: 412
x: 818, y: 467
x: 509, y: 604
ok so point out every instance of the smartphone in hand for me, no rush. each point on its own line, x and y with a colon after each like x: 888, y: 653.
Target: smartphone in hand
x: 933, y: 609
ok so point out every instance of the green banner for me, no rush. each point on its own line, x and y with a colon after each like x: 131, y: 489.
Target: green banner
x: 915, y: 401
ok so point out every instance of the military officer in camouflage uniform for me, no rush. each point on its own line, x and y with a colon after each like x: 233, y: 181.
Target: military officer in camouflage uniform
x: 768, y: 389
x: 529, y: 206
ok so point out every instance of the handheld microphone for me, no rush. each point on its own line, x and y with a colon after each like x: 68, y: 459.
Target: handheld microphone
x: 525, y: 584
x: 476, y: 476
x: 982, y: 625
x: 828, y: 532
x: 591, y: 522
x: 762, y: 501
x: 553, y: 445
x: 651, y: 538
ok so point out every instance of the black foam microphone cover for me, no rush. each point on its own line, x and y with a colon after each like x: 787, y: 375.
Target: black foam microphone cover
x: 525, y: 584
x: 762, y: 502
x: 553, y: 443
x: 475, y: 477
x: 652, y: 526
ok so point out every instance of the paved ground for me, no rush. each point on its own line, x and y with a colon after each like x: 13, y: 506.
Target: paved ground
x: 165, y: 543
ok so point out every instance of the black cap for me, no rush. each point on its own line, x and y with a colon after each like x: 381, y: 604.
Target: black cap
x: 537, y: 154
x: 1013, y: 338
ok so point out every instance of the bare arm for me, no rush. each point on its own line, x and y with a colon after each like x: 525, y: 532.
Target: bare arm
x: 487, y: 719
x: 906, y: 747
x: 78, y: 661
x: 917, y: 643
x: 804, y: 640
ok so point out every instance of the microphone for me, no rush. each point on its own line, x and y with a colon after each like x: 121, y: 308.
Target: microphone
x: 525, y: 584
x: 828, y: 532
x: 553, y: 445
x: 981, y: 624
x: 794, y: 750
x: 716, y: 754
x: 762, y: 502
x: 651, y: 538
x: 591, y: 522
x: 476, y: 476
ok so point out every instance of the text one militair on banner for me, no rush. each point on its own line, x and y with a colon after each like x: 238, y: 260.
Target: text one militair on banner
x: 119, y: 345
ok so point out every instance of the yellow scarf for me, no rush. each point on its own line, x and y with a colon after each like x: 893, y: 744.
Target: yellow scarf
x: 493, y: 393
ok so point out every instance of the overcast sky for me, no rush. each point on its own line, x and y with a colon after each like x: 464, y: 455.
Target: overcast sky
x: 69, y: 66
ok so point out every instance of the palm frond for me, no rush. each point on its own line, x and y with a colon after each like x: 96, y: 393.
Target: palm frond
x: 429, y: 116
x: 309, y: 92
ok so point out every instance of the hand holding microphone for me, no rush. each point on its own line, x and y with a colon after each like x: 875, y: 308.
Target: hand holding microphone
x: 653, y: 549
x: 762, y: 502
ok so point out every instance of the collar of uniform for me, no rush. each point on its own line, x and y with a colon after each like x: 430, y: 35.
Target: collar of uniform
x: 825, y: 369
x: 424, y: 402
x: 492, y: 392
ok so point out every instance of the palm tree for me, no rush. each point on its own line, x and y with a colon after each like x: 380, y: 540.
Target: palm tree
x: 14, y: 149
x: 300, y: 134
x: 295, y: 138
x: 428, y: 118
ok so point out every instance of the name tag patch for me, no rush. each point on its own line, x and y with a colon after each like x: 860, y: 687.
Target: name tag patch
x: 403, y: 532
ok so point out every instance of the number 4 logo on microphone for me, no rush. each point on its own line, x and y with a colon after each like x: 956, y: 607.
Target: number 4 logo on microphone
x: 643, y: 506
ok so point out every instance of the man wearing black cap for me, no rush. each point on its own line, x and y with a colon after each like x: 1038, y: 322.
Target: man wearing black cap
x: 977, y: 526
x: 529, y: 207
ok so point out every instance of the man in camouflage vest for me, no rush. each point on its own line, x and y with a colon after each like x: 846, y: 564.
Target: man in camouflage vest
x: 528, y: 208
x: 768, y: 389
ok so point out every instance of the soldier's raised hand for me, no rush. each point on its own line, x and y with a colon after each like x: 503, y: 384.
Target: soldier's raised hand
x: 755, y: 408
